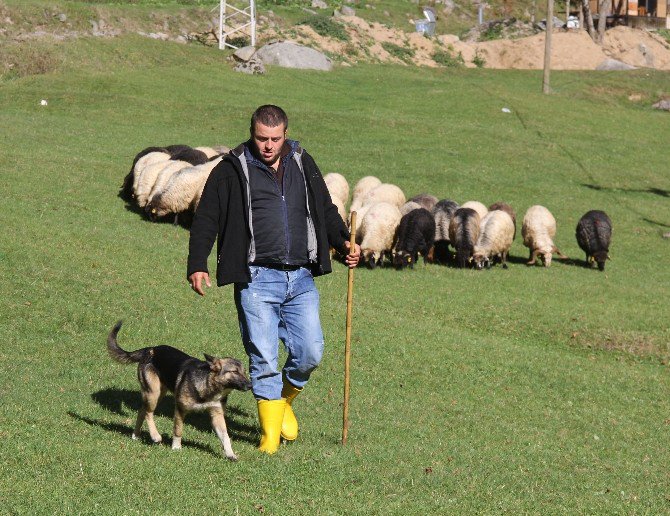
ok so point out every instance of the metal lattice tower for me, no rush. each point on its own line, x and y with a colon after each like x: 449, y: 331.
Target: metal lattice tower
x: 235, y: 19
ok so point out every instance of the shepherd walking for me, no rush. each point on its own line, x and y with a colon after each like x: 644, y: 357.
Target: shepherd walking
x: 268, y: 207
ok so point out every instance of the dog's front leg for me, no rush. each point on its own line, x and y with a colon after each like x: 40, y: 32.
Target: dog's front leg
x: 178, y: 428
x: 219, y: 425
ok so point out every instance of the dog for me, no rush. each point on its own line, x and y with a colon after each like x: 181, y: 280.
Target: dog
x: 197, y: 386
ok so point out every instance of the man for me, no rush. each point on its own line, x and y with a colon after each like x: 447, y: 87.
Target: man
x: 269, y: 208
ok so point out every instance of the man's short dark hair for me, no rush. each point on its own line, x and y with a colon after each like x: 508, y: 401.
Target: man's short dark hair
x: 269, y: 115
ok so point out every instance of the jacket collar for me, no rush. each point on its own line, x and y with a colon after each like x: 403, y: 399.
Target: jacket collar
x: 290, y: 148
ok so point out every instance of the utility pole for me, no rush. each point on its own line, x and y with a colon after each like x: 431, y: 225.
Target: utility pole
x: 547, y: 47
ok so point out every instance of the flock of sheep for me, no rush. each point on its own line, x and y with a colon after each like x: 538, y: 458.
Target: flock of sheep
x: 169, y: 180
x: 392, y: 229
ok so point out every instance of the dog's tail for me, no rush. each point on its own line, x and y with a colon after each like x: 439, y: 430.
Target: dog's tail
x: 120, y: 355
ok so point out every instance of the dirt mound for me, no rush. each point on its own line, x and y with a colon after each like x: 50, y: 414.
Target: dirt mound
x: 638, y: 48
x: 571, y: 50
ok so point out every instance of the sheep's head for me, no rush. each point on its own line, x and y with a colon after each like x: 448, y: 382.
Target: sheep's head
x: 600, y: 257
x: 402, y: 259
x: 154, y: 211
x: 480, y: 261
x: 370, y: 258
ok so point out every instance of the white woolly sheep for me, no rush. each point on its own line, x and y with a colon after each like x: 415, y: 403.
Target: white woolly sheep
x: 171, y: 168
x: 506, y: 208
x: 385, y: 192
x: 182, y: 192
x: 409, y: 206
x: 538, y: 230
x: 147, y: 179
x: 337, y: 186
x: 478, y: 207
x: 496, y: 233
x: 377, y: 230
x: 361, y: 189
x: 425, y: 200
x: 340, y: 207
x: 143, y: 162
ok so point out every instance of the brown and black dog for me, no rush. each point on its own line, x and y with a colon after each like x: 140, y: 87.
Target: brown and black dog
x: 197, y: 386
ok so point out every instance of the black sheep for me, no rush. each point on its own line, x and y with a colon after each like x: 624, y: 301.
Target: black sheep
x: 190, y: 155
x: 415, y: 234
x: 463, y: 234
x: 594, y: 235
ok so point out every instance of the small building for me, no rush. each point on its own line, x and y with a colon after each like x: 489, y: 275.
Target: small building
x: 653, y: 14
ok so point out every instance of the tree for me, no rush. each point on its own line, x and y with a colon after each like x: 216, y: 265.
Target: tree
x: 602, y: 20
x: 588, y: 19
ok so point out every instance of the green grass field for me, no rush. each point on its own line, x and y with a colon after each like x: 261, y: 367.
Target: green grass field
x: 525, y: 390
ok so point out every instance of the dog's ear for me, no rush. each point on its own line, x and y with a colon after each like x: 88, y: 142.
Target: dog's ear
x: 214, y: 363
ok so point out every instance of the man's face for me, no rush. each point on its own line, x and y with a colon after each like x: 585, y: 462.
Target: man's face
x: 269, y: 142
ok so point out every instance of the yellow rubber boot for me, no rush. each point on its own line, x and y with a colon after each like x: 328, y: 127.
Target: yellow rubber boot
x: 289, y: 427
x: 270, y: 416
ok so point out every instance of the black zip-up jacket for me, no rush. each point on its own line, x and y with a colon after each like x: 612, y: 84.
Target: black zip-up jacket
x: 224, y: 214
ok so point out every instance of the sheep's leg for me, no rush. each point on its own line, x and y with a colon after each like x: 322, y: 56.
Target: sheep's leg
x: 559, y: 253
x: 533, y: 257
x: 503, y: 259
x: 430, y: 256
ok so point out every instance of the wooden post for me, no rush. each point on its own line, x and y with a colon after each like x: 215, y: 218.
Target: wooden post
x: 547, y: 47
x: 347, y: 340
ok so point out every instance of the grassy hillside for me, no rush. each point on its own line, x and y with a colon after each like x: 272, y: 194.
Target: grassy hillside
x: 520, y: 390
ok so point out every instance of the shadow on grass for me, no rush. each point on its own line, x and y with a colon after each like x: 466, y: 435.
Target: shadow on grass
x: 144, y: 437
x: 127, y: 403
x: 656, y: 223
x: 654, y: 191
x: 184, y: 220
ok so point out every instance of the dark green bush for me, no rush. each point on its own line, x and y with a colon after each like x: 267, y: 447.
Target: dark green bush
x: 403, y: 53
x: 448, y: 59
x: 327, y: 27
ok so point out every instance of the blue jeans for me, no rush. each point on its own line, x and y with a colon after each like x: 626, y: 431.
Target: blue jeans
x: 279, y: 305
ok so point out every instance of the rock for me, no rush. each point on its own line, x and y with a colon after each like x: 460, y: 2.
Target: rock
x: 319, y: 4
x: 292, y: 55
x: 662, y: 104
x: 387, y: 14
x: 666, y: 235
x: 347, y: 11
x: 62, y: 17
x: 647, y: 55
x: 253, y: 67
x: 181, y: 39
x: 244, y: 54
x: 614, y: 65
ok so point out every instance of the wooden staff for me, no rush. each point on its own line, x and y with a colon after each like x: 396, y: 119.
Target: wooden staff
x: 347, y: 341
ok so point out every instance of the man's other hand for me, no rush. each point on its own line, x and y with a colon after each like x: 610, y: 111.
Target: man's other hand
x: 195, y: 280
x: 352, y: 257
